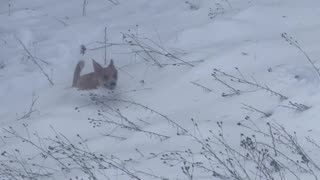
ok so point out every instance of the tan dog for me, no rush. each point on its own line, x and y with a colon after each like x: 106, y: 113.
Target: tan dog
x: 101, y: 77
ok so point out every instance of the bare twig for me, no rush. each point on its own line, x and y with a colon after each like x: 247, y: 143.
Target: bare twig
x: 201, y: 86
x: 149, y: 48
x: 234, y: 91
x: 9, y: 8
x: 114, y: 2
x: 105, y: 45
x: 62, y: 22
x: 295, y: 43
x: 34, y: 60
x: 137, y: 129
x: 84, y: 7
x: 83, y: 49
x: 251, y: 108
x: 180, y: 128
x: 296, y: 106
x: 243, y: 80
x: 31, y: 108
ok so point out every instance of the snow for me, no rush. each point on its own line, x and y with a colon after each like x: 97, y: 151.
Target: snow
x: 247, y: 36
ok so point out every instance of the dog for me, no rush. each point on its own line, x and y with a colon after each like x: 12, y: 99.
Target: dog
x: 101, y: 77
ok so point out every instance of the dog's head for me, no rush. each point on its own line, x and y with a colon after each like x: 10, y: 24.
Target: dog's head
x: 107, y: 76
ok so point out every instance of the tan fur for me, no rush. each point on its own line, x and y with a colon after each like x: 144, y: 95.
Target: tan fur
x: 101, y: 77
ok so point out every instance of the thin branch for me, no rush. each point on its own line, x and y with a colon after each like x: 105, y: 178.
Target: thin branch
x: 295, y: 43
x: 105, y: 45
x: 201, y: 86
x: 35, y: 61
x: 31, y: 108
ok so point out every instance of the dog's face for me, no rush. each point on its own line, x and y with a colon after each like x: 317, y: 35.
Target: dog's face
x: 107, y: 76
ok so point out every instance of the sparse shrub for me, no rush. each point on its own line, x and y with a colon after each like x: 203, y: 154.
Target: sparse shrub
x: 265, y: 153
x: 68, y: 157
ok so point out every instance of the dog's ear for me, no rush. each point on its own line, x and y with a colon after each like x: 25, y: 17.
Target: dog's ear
x: 96, y: 66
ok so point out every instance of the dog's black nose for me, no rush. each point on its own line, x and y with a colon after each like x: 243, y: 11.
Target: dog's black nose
x: 113, y: 84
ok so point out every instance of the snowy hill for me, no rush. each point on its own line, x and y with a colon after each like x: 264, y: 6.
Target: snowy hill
x: 207, y: 89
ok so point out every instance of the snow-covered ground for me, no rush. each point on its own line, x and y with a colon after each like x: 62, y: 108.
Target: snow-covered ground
x: 158, y: 101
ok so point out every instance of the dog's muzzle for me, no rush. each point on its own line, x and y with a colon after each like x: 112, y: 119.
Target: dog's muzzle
x: 111, y: 85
